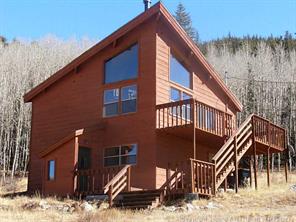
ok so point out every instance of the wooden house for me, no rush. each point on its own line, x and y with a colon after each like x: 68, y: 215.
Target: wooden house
x: 141, y: 111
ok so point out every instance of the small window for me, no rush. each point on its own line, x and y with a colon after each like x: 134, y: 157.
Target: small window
x: 129, y: 99
x: 111, y: 101
x: 178, y: 73
x: 119, y: 101
x: 123, y: 66
x: 121, y: 155
x: 51, y: 170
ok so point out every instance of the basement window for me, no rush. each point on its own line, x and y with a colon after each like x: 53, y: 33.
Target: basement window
x: 51, y: 170
x: 123, y: 66
x: 120, y: 155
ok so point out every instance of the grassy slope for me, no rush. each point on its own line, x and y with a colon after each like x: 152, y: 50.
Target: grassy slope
x: 276, y: 203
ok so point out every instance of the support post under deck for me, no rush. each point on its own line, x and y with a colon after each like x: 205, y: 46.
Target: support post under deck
x: 194, y: 130
x: 236, y: 164
x: 254, y: 153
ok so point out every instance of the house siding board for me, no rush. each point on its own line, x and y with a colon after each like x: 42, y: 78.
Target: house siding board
x: 75, y: 102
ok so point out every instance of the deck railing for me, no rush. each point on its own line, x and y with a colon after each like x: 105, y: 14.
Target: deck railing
x: 118, y: 184
x: 191, y: 111
x: 92, y: 181
x: 268, y: 133
x: 202, y: 177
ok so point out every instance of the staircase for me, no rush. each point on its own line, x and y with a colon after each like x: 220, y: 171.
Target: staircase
x: 228, y: 157
x: 138, y: 199
x: 205, y: 178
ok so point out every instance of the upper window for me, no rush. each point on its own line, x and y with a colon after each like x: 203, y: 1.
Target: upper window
x: 120, y: 155
x: 51, y: 170
x: 118, y: 100
x: 178, y: 73
x: 123, y: 66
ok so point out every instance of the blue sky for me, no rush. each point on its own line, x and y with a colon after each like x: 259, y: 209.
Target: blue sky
x: 32, y: 19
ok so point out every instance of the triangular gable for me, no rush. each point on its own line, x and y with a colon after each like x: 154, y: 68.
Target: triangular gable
x: 156, y: 9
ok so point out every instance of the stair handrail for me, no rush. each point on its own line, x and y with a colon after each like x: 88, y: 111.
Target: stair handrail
x: 118, y: 183
x: 231, y: 139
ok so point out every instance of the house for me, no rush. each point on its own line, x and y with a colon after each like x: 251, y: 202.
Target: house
x: 142, y: 110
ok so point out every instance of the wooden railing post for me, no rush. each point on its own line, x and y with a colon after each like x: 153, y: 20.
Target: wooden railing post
x: 110, y: 195
x: 254, y: 152
x: 128, y: 179
x: 286, y: 154
x: 268, y: 155
x: 192, y: 176
x: 214, y: 178
x: 236, y: 164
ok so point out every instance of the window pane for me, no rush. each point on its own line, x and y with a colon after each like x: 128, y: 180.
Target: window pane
x: 111, y: 161
x: 123, y: 66
x: 111, y: 109
x: 51, y: 169
x: 128, y: 159
x: 111, y: 96
x: 113, y: 151
x: 129, y: 106
x: 129, y: 93
x: 186, y: 96
x: 175, y: 95
x: 178, y: 73
x: 129, y: 149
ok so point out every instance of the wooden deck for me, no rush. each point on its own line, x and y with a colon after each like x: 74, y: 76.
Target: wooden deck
x: 191, y: 112
x: 255, y: 136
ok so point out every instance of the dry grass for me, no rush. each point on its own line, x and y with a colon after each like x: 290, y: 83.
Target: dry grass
x: 276, y: 203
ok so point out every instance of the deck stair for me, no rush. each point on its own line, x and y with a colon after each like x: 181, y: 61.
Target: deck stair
x: 138, y: 199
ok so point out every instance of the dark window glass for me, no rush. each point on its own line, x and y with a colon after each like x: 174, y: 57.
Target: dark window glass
x: 129, y: 99
x: 113, y: 151
x: 111, y: 100
x: 129, y: 150
x: 178, y: 73
x: 122, y: 155
x: 111, y: 161
x: 128, y: 159
x: 123, y: 66
x: 51, y: 170
x: 84, y: 158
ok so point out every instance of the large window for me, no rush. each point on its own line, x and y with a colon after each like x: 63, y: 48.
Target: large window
x: 51, y: 170
x: 123, y: 66
x: 178, y: 73
x: 117, y: 101
x: 120, y: 155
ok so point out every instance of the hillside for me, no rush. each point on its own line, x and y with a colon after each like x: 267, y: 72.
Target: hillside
x: 277, y: 203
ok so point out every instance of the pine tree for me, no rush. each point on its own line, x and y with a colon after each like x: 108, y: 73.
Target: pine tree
x: 184, y: 19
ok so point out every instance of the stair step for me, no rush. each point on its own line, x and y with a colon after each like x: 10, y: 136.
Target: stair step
x: 138, y: 199
x: 134, y: 203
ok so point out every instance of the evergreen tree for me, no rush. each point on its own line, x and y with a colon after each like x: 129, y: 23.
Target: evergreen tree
x: 184, y: 19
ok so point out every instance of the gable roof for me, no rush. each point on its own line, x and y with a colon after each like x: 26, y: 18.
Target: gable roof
x: 159, y: 9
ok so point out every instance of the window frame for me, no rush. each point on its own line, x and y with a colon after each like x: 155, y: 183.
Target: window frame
x: 120, y: 100
x: 120, y: 155
x: 116, y: 54
x: 54, y: 170
x: 174, y: 54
